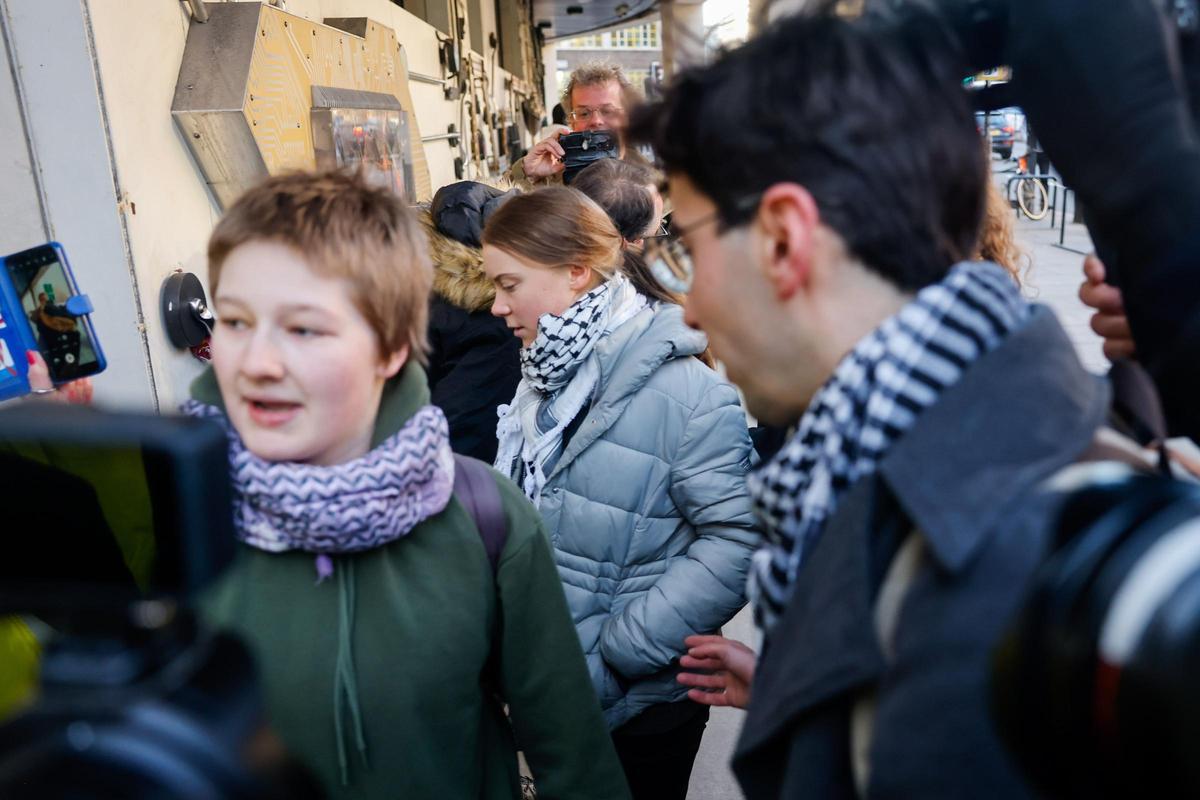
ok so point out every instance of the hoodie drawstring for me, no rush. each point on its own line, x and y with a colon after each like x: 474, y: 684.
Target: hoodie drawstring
x: 345, y: 680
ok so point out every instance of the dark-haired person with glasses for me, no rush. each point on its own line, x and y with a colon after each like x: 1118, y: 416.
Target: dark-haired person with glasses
x: 598, y: 97
x: 629, y: 194
x: 828, y: 254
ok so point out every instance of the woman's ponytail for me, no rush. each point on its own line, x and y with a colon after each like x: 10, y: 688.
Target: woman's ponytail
x: 638, y: 272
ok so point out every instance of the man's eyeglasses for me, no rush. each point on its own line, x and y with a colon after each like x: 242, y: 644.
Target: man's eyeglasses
x: 670, y: 260
x: 608, y: 113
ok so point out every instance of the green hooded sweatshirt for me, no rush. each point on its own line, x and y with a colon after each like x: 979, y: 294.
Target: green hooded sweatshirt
x: 388, y: 679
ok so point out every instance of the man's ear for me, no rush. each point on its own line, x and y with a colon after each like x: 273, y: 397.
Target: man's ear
x: 787, y: 221
x: 390, y: 366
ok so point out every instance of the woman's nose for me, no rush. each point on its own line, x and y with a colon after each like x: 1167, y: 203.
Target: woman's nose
x: 500, y: 308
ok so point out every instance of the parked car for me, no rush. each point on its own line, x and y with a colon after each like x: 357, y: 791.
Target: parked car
x: 1005, y: 128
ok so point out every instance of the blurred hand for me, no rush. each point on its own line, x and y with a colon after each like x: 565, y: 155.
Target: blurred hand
x: 76, y: 392
x: 545, y: 159
x: 1109, y: 321
x: 732, y: 665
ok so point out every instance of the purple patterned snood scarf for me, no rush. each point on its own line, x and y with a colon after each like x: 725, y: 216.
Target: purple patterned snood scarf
x: 346, y: 508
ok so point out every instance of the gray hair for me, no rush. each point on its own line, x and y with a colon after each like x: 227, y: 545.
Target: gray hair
x: 595, y: 73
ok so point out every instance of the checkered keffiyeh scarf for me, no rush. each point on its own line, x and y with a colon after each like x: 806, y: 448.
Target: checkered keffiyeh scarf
x: 873, y: 397
x: 564, y: 342
x: 559, y: 375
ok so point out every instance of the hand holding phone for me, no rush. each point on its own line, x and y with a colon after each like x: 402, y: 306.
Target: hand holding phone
x: 77, y: 392
x: 545, y: 159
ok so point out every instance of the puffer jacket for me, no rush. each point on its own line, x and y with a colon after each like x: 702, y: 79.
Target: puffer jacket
x: 648, y: 511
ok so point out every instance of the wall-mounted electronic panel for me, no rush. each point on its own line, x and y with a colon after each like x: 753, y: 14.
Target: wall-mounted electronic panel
x: 246, y: 99
x: 366, y: 131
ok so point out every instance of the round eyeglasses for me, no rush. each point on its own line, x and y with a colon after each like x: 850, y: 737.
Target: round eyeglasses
x: 608, y: 113
x: 668, y: 256
x: 670, y: 262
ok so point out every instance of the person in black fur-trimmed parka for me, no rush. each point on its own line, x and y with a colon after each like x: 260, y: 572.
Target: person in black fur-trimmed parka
x: 474, y: 360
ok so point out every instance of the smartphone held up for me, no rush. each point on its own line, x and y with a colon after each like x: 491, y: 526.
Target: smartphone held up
x: 42, y: 309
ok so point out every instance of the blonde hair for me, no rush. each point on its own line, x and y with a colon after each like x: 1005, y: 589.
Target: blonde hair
x: 997, y: 239
x: 344, y: 228
x: 557, y: 227
x: 596, y: 73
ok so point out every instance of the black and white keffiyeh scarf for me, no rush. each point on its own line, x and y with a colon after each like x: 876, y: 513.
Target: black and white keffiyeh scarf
x: 565, y: 341
x: 873, y: 397
x: 346, y: 508
x: 559, y: 374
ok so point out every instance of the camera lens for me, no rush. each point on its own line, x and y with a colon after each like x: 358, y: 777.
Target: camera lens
x: 1094, y: 685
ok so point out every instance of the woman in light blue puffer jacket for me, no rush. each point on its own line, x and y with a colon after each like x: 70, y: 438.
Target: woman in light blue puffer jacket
x: 636, y: 454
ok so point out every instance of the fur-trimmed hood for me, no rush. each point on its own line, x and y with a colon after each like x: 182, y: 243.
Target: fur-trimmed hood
x: 458, y: 274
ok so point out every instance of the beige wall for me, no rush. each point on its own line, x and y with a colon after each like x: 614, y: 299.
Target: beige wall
x: 66, y: 158
x: 127, y: 198
x: 20, y: 206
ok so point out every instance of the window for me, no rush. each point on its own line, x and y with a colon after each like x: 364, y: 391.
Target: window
x: 592, y: 42
x: 635, y: 37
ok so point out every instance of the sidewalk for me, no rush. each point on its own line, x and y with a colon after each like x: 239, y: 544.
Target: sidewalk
x: 1053, y: 278
x: 711, y: 778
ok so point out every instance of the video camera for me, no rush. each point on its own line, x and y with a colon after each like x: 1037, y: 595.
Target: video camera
x: 1095, y: 685
x: 584, y: 148
x: 115, y: 524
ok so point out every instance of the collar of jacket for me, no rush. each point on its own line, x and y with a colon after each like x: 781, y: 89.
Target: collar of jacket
x: 1018, y: 414
x: 628, y: 357
x: 403, y: 396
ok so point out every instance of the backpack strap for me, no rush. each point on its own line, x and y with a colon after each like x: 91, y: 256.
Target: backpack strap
x: 476, y: 489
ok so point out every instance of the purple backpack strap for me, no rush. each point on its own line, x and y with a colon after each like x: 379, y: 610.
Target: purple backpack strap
x: 476, y: 489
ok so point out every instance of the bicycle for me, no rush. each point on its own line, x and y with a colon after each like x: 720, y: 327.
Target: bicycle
x: 1032, y: 198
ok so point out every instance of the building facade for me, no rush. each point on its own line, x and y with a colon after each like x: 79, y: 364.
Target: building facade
x: 637, y: 49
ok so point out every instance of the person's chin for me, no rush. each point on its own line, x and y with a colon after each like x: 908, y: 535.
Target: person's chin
x: 280, y: 443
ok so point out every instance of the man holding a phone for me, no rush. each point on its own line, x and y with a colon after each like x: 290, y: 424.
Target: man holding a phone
x: 598, y: 97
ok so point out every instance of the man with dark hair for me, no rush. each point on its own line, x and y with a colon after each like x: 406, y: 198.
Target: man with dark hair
x: 627, y: 192
x: 825, y: 240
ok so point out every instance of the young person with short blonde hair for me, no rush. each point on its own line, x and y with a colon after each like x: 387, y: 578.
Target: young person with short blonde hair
x: 386, y: 637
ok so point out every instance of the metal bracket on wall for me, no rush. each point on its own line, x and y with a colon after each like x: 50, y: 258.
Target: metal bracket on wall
x: 450, y: 136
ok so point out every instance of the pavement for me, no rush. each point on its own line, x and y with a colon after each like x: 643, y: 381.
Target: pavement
x: 1052, y: 277
x: 711, y: 778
